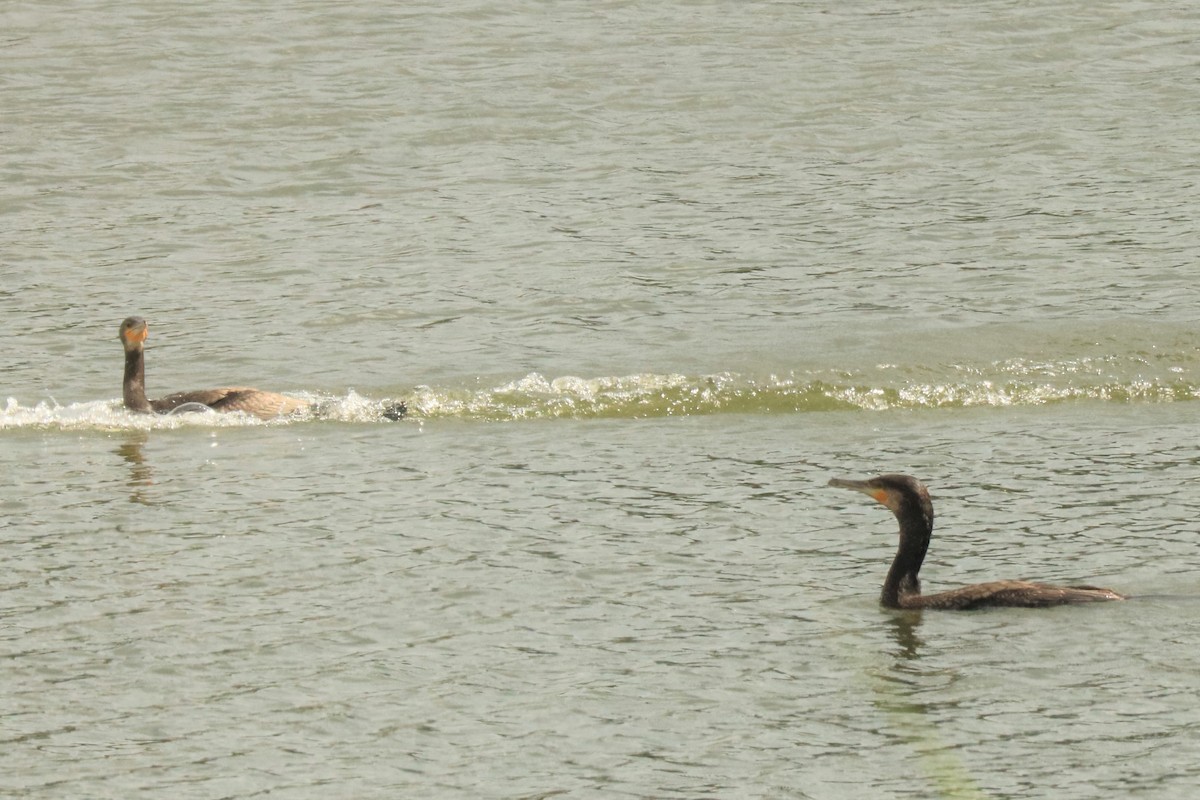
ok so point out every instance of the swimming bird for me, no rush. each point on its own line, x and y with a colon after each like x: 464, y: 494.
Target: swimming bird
x: 908, y: 499
x: 264, y: 405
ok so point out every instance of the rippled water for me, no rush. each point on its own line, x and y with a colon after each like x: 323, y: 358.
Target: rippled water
x: 647, y: 277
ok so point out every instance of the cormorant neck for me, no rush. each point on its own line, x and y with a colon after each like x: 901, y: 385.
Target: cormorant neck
x: 134, y: 386
x: 902, y: 581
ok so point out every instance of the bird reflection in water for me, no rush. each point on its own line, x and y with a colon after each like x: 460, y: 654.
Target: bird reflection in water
x: 141, y: 475
x: 906, y: 693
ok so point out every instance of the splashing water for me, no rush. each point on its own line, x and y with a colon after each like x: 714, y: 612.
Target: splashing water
x: 886, y: 387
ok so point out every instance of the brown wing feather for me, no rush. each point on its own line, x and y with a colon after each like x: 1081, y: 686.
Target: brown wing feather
x: 1020, y: 594
x: 264, y: 405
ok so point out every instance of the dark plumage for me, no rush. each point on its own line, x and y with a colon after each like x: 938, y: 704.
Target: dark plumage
x: 909, y: 500
x: 264, y: 405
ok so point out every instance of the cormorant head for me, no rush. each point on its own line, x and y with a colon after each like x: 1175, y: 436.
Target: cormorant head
x: 906, y: 496
x: 133, y: 332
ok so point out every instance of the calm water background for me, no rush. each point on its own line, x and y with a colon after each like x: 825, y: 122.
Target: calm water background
x: 648, y: 275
